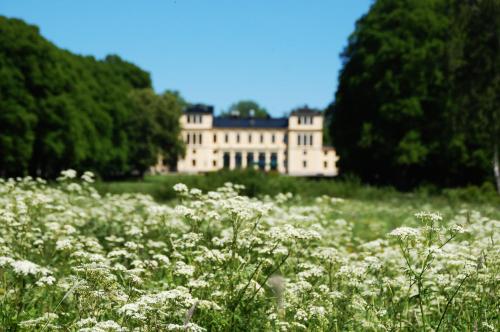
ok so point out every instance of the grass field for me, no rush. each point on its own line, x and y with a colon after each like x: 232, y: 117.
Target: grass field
x: 365, y: 259
x: 375, y: 210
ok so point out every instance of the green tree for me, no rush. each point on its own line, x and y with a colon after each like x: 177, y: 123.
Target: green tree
x: 387, y: 121
x: 476, y: 77
x: 60, y: 110
x: 154, y: 128
x: 245, y: 109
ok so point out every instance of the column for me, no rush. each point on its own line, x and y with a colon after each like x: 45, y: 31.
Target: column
x: 281, y: 161
x: 231, y: 159
x: 243, y: 159
x: 268, y: 161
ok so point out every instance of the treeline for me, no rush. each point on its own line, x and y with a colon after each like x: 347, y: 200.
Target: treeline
x: 418, y: 100
x: 60, y: 110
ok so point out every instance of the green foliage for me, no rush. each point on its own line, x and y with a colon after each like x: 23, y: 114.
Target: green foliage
x: 59, y: 110
x: 418, y: 97
x: 244, y: 108
x: 259, y: 184
x: 154, y: 128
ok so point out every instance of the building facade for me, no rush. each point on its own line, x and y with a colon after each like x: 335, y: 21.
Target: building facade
x: 292, y: 145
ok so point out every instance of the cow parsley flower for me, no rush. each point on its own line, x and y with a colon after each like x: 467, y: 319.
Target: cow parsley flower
x: 404, y: 233
x: 181, y: 188
x: 426, y: 216
x: 25, y: 268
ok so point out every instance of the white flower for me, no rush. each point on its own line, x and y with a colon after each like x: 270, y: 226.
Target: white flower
x: 426, y: 216
x: 68, y: 174
x: 180, y: 188
x: 25, y: 268
x: 88, y: 177
x: 404, y: 233
x: 45, y: 281
x: 183, y: 269
x: 458, y: 229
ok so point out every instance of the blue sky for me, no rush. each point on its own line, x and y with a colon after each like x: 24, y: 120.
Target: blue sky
x: 280, y: 53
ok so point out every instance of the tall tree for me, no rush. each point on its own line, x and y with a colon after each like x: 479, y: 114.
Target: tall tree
x: 154, y: 128
x: 246, y: 109
x: 60, y: 110
x: 391, y: 99
x: 476, y: 69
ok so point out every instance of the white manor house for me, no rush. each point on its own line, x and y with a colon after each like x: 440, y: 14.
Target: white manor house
x: 292, y: 145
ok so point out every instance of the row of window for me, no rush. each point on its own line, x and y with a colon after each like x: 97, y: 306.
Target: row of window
x: 306, y: 120
x: 194, y: 118
x: 194, y: 138
x: 251, y: 162
x: 304, y: 139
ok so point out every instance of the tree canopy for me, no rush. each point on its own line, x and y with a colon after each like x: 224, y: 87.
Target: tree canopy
x: 397, y: 117
x: 61, y: 110
x: 246, y: 109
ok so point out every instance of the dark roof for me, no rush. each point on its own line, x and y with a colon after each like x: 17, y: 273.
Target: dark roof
x: 199, y: 108
x: 306, y: 111
x: 225, y: 122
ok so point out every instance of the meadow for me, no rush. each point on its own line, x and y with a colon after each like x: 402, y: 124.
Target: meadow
x: 212, y: 255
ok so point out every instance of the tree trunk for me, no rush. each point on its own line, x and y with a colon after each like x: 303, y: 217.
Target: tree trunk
x: 496, y: 166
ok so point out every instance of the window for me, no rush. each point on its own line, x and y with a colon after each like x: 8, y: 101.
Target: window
x: 215, y: 138
x: 325, y: 164
x: 262, y: 138
x: 237, y: 159
x: 188, y: 138
x: 299, y: 139
x: 189, y: 118
x: 310, y: 139
x: 304, y: 152
x: 194, y: 151
x: 304, y: 163
x: 285, y: 138
x: 199, y: 138
x: 274, y: 161
x: 194, y: 162
x: 300, y: 120
x: 226, y: 159
x: 237, y: 138
x: 226, y: 138
x: 262, y: 161
x: 194, y: 138
x: 200, y: 119
x: 249, y: 138
x: 214, y: 163
x: 273, y: 138
x: 250, y: 161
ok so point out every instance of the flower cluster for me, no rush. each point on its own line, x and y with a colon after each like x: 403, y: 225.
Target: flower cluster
x: 73, y: 259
